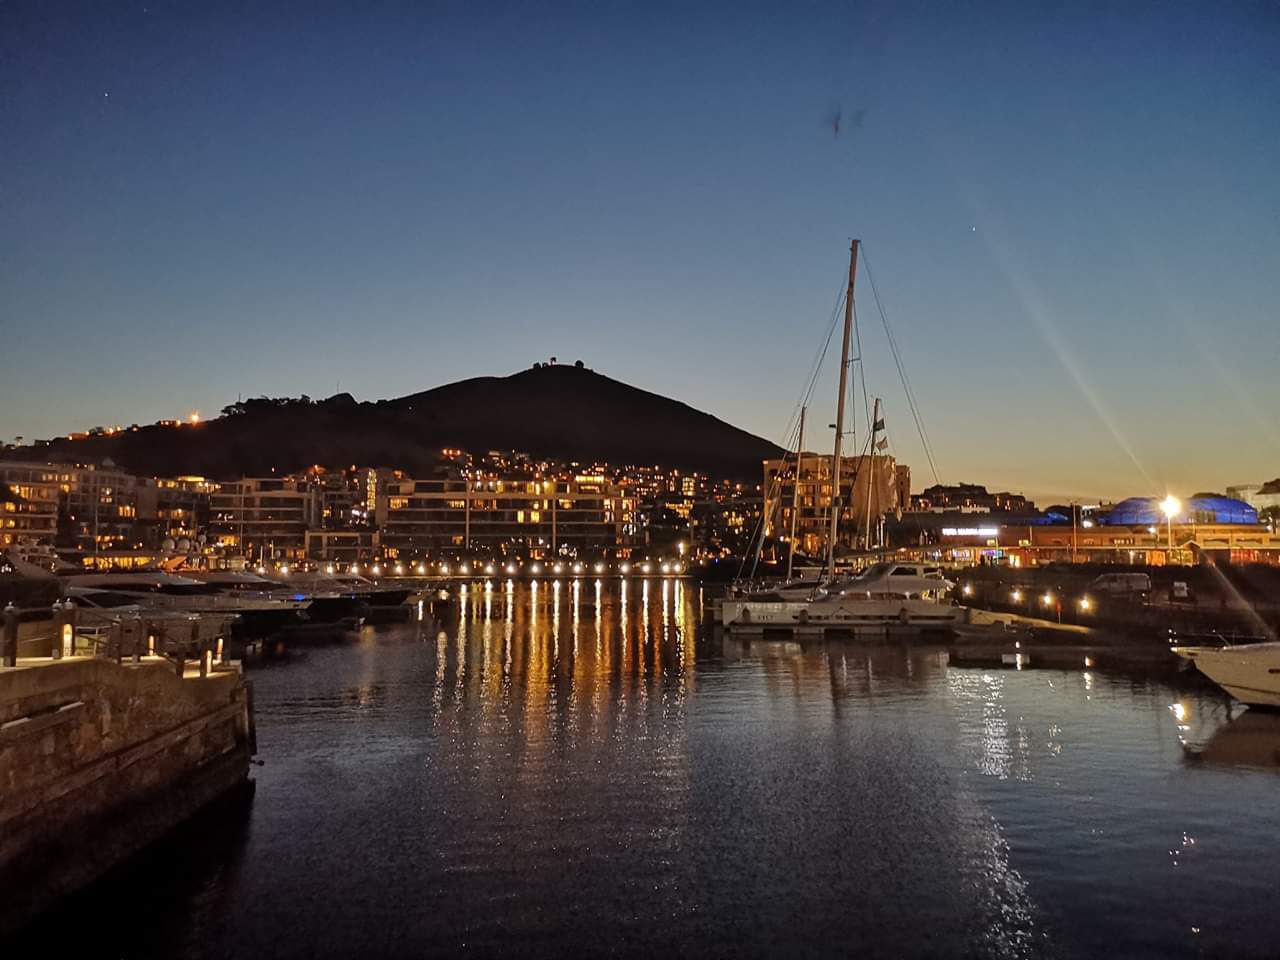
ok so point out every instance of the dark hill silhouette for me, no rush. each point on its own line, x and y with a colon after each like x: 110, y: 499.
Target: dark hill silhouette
x: 560, y: 412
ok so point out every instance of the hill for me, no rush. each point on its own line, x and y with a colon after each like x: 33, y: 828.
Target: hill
x: 560, y: 412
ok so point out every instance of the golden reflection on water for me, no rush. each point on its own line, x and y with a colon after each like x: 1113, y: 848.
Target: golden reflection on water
x: 565, y: 643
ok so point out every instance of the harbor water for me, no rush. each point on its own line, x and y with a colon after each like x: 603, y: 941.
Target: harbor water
x: 581, y: 768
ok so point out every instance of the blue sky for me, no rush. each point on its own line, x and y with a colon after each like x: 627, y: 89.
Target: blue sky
x: 1071, y: 212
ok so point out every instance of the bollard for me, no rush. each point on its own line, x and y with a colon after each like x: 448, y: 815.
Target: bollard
x: 115, y: 642
x: 9, y: 641
x: 59, y: 623
x: 73, y: 621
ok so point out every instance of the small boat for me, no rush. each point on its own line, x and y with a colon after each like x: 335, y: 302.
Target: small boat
x: 1249, y: 672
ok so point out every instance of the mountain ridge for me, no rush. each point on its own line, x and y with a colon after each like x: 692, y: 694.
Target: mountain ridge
x: 557, y: 411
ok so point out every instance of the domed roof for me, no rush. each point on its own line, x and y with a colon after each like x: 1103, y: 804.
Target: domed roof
x: 1146, y: 512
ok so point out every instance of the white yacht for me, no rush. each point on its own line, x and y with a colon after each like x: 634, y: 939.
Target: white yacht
x: 1249, y: 672
x: 885, y: 595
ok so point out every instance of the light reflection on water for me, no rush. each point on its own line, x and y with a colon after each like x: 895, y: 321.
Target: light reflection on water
x: 571, y: 768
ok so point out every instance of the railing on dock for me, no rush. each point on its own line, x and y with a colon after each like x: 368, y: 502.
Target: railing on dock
x: 183, y: 641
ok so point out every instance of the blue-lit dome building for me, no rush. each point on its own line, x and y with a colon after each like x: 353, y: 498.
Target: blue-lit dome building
x: 1202, y: 508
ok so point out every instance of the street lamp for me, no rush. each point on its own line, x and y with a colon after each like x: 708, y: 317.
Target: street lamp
x: 1171, y: 506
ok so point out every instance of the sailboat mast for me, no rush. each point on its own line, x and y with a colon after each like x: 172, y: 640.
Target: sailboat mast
x: 795, y: 494
x: 871, y: 474
x: 844, y: 378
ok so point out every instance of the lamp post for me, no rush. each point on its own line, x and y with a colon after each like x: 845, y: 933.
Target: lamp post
x: 1171, y: 506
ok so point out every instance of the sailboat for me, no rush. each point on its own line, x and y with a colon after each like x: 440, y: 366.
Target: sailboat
x: 887, y: 593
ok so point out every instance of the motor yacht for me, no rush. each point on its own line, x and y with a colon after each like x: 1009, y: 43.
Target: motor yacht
x: 1249, y: 672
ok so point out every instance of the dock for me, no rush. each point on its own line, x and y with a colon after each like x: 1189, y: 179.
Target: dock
x: 107, y: 744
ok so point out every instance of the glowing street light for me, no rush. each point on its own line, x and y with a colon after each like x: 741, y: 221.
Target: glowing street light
x: 1171, y: 506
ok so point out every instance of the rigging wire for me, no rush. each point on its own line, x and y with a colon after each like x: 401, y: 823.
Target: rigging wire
x: 792, y: 430
x: 902, y: 371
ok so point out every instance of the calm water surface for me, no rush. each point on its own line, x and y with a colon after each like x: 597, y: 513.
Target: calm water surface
x: 573, y: 770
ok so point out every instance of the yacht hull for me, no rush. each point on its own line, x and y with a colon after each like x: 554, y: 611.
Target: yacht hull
x: 1250, y: 672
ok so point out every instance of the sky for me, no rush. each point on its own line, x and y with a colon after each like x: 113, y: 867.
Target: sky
x: 1071, y: 213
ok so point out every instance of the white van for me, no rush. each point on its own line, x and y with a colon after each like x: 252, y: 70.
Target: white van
x: 1121, y: 585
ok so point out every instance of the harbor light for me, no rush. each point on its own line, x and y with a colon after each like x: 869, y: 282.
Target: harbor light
x: 488, y: 569
x: 558, y: 567
x: 376, y: 571
x: 194, y: 418
x: 1047, y: 599
x: 1017, y: 596
x: 967, y: 590
x: 329, y: 569
x: 355, y: 568
x: 511, y: 568
x: 577, y: 568
x: 1086, y: 604
x: 465, y: 569
x: 422, y: 568
x: 625, y: 568
x: 599, y: 568
x: 284, y: 569
x: 261, y: 569
x: 645, y: 568
x: 536, y: 568
x: 1171, y: 506
x: 666, y: 568
x: 399, y: 569
x: 444, y: 568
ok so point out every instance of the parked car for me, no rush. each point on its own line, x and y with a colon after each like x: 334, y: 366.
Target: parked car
x: 1136, y: 585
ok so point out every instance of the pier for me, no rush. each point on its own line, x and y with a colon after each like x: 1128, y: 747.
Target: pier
x: 106, y: 743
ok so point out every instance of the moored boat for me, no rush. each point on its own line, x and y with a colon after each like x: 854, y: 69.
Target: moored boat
x: 1249, y: 672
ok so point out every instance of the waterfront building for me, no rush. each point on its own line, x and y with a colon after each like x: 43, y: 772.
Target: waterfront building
x: 1263, y: 497
x: 175, y: 509
x: 264, y: 518
x: 1030, y: 543
x: 29, y: 495
x: 457, y: 511
x: 870, y: 488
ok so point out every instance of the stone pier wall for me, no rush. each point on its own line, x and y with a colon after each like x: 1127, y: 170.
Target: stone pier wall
x: 99, y: 759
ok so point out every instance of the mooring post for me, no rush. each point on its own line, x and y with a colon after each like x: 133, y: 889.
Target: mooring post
x: 9, y: 651
x: 59, y: 625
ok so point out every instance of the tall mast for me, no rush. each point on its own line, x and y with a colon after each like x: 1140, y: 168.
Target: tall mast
x: 871, y: 474
x: 844, y: 378
x: 795, y: 495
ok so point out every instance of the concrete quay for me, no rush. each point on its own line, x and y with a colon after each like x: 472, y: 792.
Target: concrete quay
x: 98, y: 758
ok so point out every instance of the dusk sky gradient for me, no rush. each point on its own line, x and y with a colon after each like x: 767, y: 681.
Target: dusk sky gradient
x: 1072, y: 214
